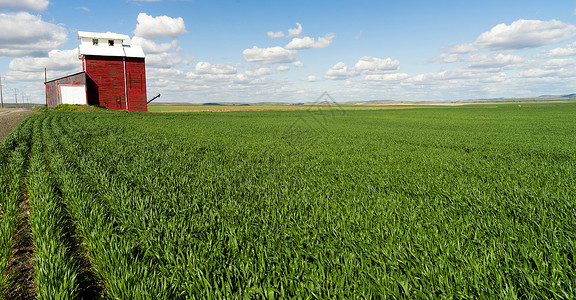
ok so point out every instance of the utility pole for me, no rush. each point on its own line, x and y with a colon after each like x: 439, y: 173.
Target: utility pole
x: 1, y: 97
x: 16, y: 97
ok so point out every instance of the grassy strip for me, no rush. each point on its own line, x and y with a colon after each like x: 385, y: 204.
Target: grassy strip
x: 14, y: 152
x: 123, y: 274
x: 56, y: 273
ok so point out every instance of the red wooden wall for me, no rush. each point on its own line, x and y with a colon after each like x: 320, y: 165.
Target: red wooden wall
x: 106, y: 82
x: 136, y: 84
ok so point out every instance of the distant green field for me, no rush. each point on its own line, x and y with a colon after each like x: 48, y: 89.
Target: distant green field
x: 441, y: 202
x: 201, y: 108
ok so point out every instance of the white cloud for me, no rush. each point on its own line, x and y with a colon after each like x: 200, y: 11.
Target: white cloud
x: 295, y: 31
x: 310, y: 78
x: 463, y: 49
x: 569, y: 50
x: 166, y: 60
x: 159, y: 27
x: 448, y: 58
x: 84, y: 8
x: 495, y: 60
x: 308, y: 42
x: 269, y: 55
x: 161, y: 55
x: 257, y: 72
x: 387, y: 77
x: 340, y: 72
x: 24, y: 34
x: 526, y: 34
x: 275, y: 35
x: 26, y: 5
x: 559, y: 63
x: 151, y: 47
x: 538, y: 73
x: 58, y: 63
x: 373, y: 65
x: 282, y: 68
x: 207, y: 68
x: 298, y: 64
x: 59, y: 60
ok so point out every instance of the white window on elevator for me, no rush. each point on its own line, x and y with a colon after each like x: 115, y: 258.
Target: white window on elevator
x: 95, y: 42
x: 110, y: 42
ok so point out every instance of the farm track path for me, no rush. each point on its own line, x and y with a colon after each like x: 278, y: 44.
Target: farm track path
x: 10, y: 117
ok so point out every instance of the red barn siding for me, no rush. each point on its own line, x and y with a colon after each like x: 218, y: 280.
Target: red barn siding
x: 107, y: 76
x: 108, y: 86
x: 53, y: 87
x: 136, y: 84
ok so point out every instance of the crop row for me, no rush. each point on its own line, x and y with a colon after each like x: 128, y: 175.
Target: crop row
x: 415, y: 203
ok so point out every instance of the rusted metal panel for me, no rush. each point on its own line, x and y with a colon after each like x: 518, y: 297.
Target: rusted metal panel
x: 53, y: 87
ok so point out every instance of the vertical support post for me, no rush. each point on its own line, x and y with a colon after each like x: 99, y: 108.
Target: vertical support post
x: 125, y: 82
x: 45, y: 91
x: 1, y: 96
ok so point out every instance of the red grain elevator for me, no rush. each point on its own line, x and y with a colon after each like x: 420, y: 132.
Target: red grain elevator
x: 115, y: 71
x: 114, y: 75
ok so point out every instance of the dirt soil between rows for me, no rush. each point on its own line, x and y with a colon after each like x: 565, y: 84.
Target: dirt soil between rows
x: 10, y: 117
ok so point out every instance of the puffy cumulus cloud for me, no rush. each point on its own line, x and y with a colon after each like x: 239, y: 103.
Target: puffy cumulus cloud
x: 559, y: 63
x: 24, y: 34
x: 272, y: 55
x: 310, y: 78
x: 299, y: 64
x: 275, y: 35
x: 308, y: 42
x: 366, y: 65
x: 461, y: 76
x: 25, y: 5
x: 31, y: 69
x: 57, y: 60
x: 295, y: 31
x: 159, y: 27
x: 161, y: 55
x: 257, y: 72
x: 340, y: 72
x: 282, y: 68
x: 394, y: 77
x: 448, y: 58
x: 526, y: 34
x: 463, y: 49
x: 371, y: 64
x: 291, y: 32
x: 167, y: 60
x: 569, y: 50
x: 151, y: 47
x: 496, y: 60
x: 176, y: 84
x: 207, y: 68
x: 209, y: 79
x: 538, y: 73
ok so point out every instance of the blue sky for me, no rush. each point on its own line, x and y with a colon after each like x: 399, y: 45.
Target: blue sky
x: 293, y: 51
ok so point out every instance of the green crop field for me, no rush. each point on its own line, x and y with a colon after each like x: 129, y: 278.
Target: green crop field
x: 442, y: 202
